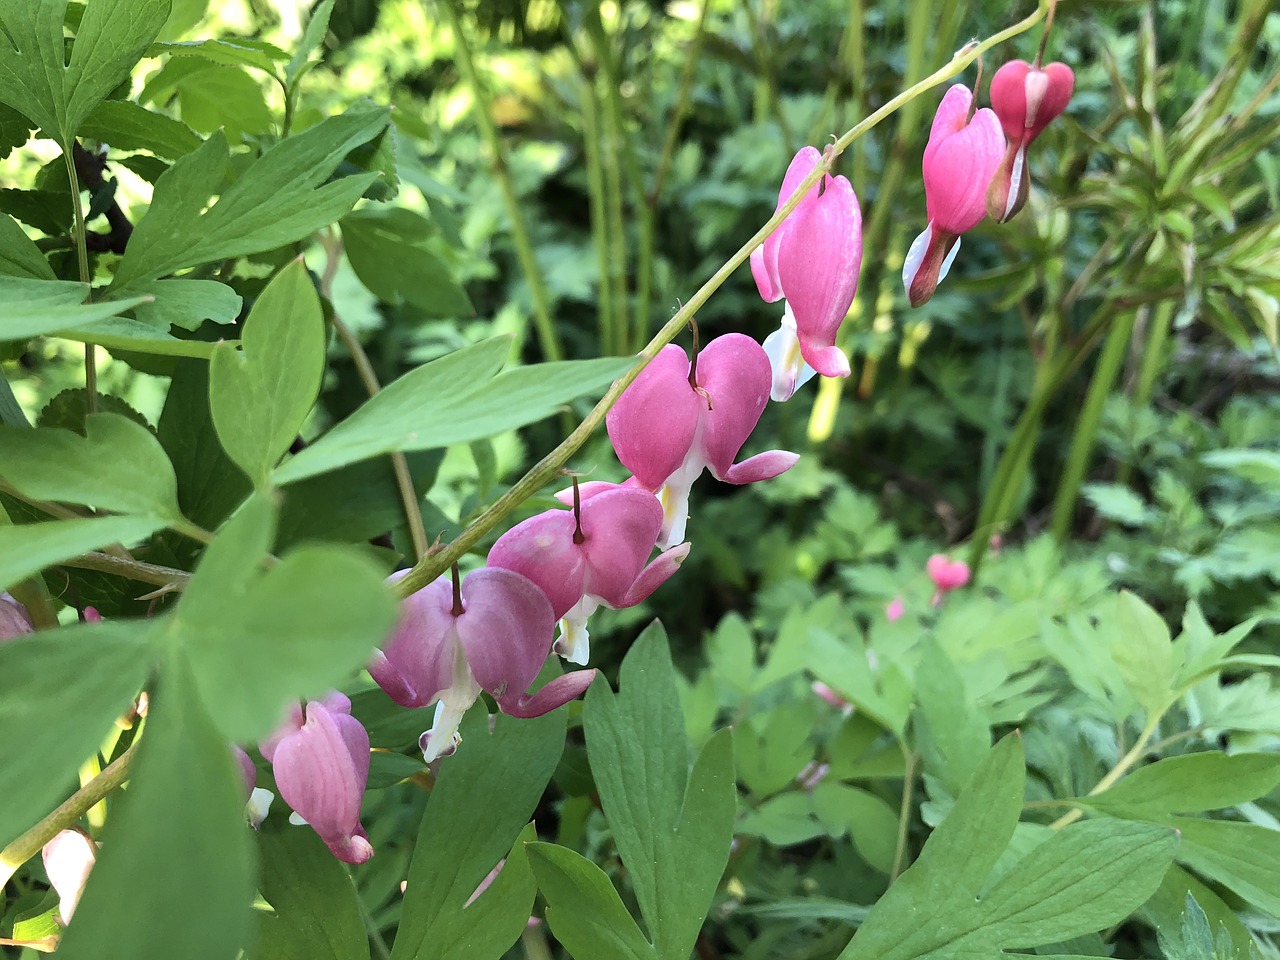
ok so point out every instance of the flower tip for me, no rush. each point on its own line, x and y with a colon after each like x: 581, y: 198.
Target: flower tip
x: 895, y: 609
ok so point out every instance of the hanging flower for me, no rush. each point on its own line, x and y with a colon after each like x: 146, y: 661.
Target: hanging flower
x: 320, y: 758
x: 812, y: 259
x: 947, y: 575
x: 673, y: 422
x: 257, y: 801
x: 595, y: 554
x: 1026, y: 98
x: 490, y: 631
x: 960, y: 159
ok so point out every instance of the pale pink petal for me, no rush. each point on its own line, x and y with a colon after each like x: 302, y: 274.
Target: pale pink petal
x: 621, y: 529
x: 653, y: 423
x: 68, y: 858
x: 416, y: 663
x: 506, y: 629
x: 291, y: 724
x: 658, y: 572
x: 763, y: 466
x: 764, y: 259
x: 542, y: 549
x: 14, y: 619
x: 555, y: 694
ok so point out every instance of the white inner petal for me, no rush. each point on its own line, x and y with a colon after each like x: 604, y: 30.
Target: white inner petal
x: 574, y: 641
x: 255, y: 811
x: 915, y: 254
x: 790, y: 372
x: 951, y: 257
x: 1015, y: 179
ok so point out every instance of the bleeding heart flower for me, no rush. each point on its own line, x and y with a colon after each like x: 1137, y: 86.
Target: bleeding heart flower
x: 490, y: 631
x: 812, y: 259
x: 257, y: 801
x: 1025, y: 98
x: 591, y: 555
x: 14, y: 619
x: 672, y: 423
x: 321, y: 764
x: 68, y: 858
x: 959, y: 161
x: 947, y: 575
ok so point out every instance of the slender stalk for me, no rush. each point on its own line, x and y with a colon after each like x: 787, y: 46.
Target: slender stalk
x: 599, y: 214
x: 549, y: 466
x: 371, y: 928
x: 769, y: 74
x: 1086, y: 430
x: 615, y: 217
x: 547, y: 339
x: 68, y: 812
x: 399, y: 463
x: 904, y: 814
x: 131, y: 569
x: 82, y: 261
x: 194, y: 531
x: 44, y: 506
x: 1123, y: 765
x: 534, y: 943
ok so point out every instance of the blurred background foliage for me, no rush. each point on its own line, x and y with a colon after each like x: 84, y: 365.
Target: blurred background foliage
x: 1090, y: 401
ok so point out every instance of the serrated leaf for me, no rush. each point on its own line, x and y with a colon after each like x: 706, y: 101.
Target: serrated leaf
x: 672, y: 828
x: 1189, y: 784
x: 184, y: 809
x: 55, y: 93
x: 261, y: 395
x: 1117, y: 502
x: 62, y: 690
x: 312, y: 37
x: 258, y: 640
x: 232, y: 53
x: 484, y: 796
x: 117, y: 466
x: 26, y: 550
x: 455, y: 399
x: 316, y: 914
x: 280, y: 199
x: 584, y: 911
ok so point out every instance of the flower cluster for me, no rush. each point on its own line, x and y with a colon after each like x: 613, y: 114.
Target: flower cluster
x: 970, y: 171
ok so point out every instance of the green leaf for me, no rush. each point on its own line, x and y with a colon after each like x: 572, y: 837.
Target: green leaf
x: 1083, y: 878
x: 20, y: 257
x: 951, y: 733
x: 37, y: 80
x: 183, y: 811
x: 1117, y: 502
x: 214, y: 97
x: 118, y: 466
x: 312, y: 37
x: 390, y: 258
x: 15, y: 129
x: 61, y: 692
x: 134, y: 336
x: 28, y: 549
x: 258, y: 640
x: 672, y: 828
x: 1257, y: 466
x: 455, y: 399
x: 872, y: 824
x: 1143, y: 651
x: 280, y: 199
x: 260, y: 396
x: 1166, y: 908
x: 231, y: 53
x: 130, y: 126
x: 484, y: 796
x: 584, y: 911
x: 1189, y: 784
x: 1240, y: 856
x: 316, y: 911
x: 39, y: 307
x: 182, y: 303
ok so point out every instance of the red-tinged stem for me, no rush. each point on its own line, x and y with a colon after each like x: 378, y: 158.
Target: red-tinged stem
x: 458, y: 608
x: 578, y: 536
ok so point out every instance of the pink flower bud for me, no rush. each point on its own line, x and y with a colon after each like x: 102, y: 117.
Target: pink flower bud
x: 959, y: 161
x: 603, y: 558
x: 895, y: 609
x: 321, y: 764
x: 946, y: 574
x: 812, y: 259
x: 667, y: 431
x: 68, y: 858
x: 1026, y: 99
x: 494, y: 634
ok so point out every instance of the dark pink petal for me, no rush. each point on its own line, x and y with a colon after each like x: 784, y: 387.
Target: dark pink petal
x: 321, y: 771
x: 248, y: 772
x: 592, y: 488
x: 764, y: 259
x: 950, y: 118
x: 416, y: 663
x: 652, y: 425
x: 621, y: 528
x: 658, y: 572
x: 354, y: 849
x: 763, y: 466
x: 735, y: 373
x: 542, y: 549
x: 818, y: 265
x: 555, y: 694
x: 958, y: 172
x: 1027, y: 100
x: 506, y: 631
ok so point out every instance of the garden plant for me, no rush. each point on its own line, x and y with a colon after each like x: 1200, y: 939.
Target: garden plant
x: 639, y: 480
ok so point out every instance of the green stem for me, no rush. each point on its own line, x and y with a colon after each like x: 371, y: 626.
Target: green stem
x: 1123, y: 765
x: 615, y: 218
x: 904, y: 814
x: 82, y: 262
x: 194, y: 531
x: 130, y: 569
x: 768, y: 71
x: 547, y: 339
x: 67, y: 813
x: 549, y: 467
x: 371, y: 928
x: 599, y: 214
x: 1159, y: 326
x: 534, y: 943
x: 1086, y: 430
